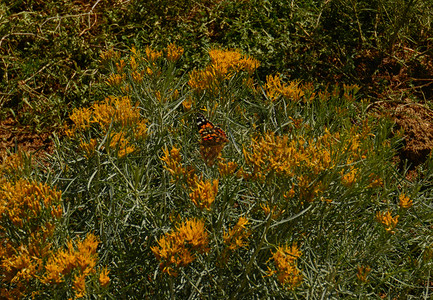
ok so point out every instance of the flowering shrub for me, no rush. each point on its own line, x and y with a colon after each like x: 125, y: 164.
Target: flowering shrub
x: 294, y: 191
x: 30, y: 264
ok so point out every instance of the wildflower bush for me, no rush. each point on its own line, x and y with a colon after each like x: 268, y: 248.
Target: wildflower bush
x: 293, y: 194
x: 37, y: 259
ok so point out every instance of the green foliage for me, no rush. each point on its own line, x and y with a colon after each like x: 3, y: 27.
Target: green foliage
x: 308, y: 198
x: 49, y: 49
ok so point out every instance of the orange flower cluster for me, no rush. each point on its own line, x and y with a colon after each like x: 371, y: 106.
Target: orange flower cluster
x: 78, y: 262
x: 304, y: 159
x: 23, y: 202
x: 278, y: 155
x: 387, y: 220
x: 117, y: 113
x: 405, y: 201
x: 285, y: 258
x: 180, y: 247
x: 237, y: 237
x: 173, y: 162
x: 224, y: 65
x: 203, y: 193
x: 174, y: 52
x: 274, y: 89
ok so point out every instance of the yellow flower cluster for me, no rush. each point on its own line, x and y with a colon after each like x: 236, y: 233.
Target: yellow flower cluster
x: 110, y: 54
x: 180, y: 247
x: 303, y: 159
x: 387, y: 220
x: 24, y: 201
x: 14, y: 164
x: 173, y: 162
x: 174, y: 52
x: 224, y: 64
x: 203, y: 193
x: 121, y: 144
x: 114, y: 112
x: 274, y: 89
x: 278, y: 155
x: 78, y: 262
x: 237, y: 237
x: 285, y: 258
x: 405, y: 201
x: 151, y: 54
x: 226, y: 169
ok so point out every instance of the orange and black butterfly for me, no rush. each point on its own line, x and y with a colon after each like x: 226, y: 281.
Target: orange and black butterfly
x: 213, y: 139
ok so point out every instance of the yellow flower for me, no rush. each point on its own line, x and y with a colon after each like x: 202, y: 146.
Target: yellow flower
x: 81, y: 118
x: 121, y: 144
x: 237, y: 237
x: 203, y: 193
x: 405, y: 201
x: 349, y: 178
x: 274, y: 88
x: 174, y: 52
x: 120, y: 66
x: 89, y: 147
x: 173, y: 162
x: 82, y: 257
x: 274, y: 211
x: 194, y: 233
x: 152, y: 55
x: 110, y: 54
x: 387, y: 220
x: 285, y: 258
x: 224, y: 64
x: 104, y: 280
x: 178, y: 248
x: 133, y: 63
x: 79, y: 286
x: 226, y: 169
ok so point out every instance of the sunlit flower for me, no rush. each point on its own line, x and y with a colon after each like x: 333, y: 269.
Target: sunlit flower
x: 173, y: 162
x: 138, y: 76
x: 152, y: 55
x: 179, y: 248
x: 110, y: 54
x: 121, y: 144
x: 120, y: 66
x: 23, y: 200
x: 174, y: 52
x: 237, y: 237
x: 280, y: 155
x: 226, y: 169
x: 348, y: 178
x: 115, y: 79
x: 274, y: 211
x: 405, y: 201
x: 224, y: 64
x: 79, y: 286
x: 387, y: 220
x: 89, y: 147
x: 274, y: 89
x: 285, y: 258
x: 81, y: 118
x: 104, y: 280
x: 81, y: 257
x: 133, y: 63
x: 203, y: 193
x: 194, y: 233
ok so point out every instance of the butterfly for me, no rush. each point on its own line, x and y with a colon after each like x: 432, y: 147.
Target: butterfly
x: 213, y: 139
